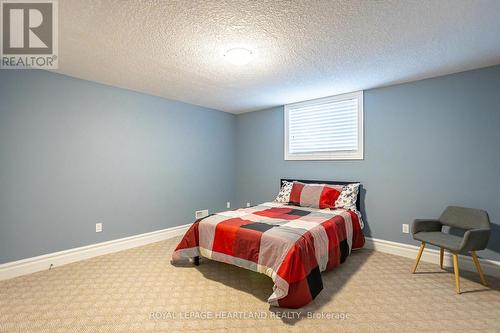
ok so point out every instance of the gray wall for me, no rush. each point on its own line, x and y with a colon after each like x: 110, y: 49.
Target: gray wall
x: 428, y: 144
x: 73, y: 153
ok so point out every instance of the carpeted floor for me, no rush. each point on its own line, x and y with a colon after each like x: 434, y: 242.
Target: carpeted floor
x: 139, y: 291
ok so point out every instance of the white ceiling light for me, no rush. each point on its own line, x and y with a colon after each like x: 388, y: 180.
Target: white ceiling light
x: 238, y: 56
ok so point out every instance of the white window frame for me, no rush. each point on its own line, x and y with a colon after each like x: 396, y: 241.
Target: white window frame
x: 336, y: 155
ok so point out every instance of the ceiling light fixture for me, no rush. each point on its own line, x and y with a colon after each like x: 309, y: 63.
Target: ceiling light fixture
x: 238, y: 56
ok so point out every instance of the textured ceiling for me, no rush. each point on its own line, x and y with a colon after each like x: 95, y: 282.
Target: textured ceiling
x: 303, y: 49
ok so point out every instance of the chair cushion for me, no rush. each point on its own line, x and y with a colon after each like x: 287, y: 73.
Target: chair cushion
x: 441, y: 239
x: 465, y: 218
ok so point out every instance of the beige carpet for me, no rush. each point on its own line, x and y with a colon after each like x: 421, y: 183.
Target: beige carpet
x: 139, y: 291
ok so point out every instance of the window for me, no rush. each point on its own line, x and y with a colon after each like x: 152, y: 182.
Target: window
x: 329, y: 128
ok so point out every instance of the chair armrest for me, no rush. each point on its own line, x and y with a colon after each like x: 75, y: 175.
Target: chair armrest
x: 425, y: 225
x: 475, y: 240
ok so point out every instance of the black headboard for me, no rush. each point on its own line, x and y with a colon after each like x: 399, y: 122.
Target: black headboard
x: 330, y: 182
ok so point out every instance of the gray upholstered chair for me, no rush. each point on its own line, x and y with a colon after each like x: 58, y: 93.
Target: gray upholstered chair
x: 476, y: 224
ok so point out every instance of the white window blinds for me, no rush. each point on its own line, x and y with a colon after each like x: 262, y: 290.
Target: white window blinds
x: 325, y: 128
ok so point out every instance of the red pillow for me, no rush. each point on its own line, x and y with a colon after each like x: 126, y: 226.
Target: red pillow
x: 314, y: 195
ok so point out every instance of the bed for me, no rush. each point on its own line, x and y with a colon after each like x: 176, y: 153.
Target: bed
x: 290, y: 244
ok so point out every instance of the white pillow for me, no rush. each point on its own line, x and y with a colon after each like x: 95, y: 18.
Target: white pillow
x: 348, y: 197
x: 284, y: 194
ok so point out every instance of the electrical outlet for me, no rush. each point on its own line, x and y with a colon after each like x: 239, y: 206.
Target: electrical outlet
x: 201, y: 213
x: 228, y: 204
x: 248, y: 204
x: 406, y: 228
x: 98, y: 227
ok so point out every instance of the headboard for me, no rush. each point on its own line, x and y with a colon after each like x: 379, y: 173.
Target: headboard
x: 358, y: 199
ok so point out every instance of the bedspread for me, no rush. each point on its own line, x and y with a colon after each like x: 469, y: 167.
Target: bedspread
x: 290, y: 244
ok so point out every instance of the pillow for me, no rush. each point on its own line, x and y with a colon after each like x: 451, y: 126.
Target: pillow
x: 284, y: 193
x: 314, y: 195
x: 348, y: 197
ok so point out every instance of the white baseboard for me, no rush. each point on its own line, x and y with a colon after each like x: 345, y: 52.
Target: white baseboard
x: 43, y: 262
x: 490, y: 267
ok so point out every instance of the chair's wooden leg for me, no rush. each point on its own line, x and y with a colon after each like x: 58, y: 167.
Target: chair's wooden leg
x: 441, y: 254
x: 478, y: 267
x: 457, y: 274
x: 418, y: 257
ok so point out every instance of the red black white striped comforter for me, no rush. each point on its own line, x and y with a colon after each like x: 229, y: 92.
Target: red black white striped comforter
x: 290, y: 244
